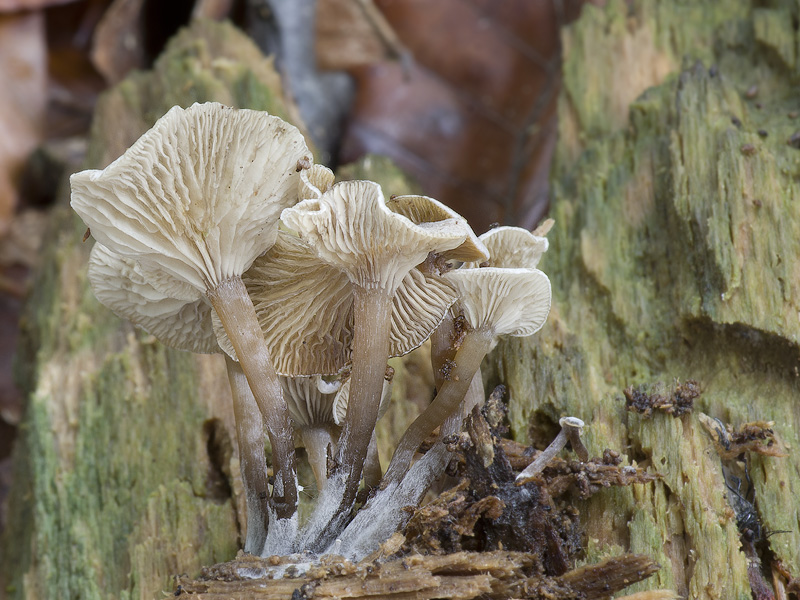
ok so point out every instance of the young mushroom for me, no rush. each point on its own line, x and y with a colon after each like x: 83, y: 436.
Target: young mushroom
x: 349, y: 227
x: 194, y: 201
x: 318, y: 408
x: 494, y: 302
x: 571, y: 429
x: 119, y: 284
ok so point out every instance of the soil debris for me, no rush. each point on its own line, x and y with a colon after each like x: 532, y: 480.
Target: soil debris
x: 676, y: 400
x: 755, y: 436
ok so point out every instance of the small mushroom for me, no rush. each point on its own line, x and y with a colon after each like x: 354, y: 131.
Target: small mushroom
x: 508, y: 248
x: 318, y: 407
x: 494, y: 302
x: 351, y: 228
x: 571, y: 429
x: 194, y: 201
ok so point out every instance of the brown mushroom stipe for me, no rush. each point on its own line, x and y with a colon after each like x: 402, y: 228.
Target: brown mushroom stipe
x: 351, y: 228
x: 194, y: 201
x: 236, y: 312
x: 252, y: 460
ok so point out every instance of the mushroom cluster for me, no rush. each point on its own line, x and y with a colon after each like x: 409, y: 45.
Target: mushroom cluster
x: 215, y: 232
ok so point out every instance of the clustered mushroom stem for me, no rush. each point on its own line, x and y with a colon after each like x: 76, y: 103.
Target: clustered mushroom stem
x: 317, y: 439
x: 372, y: 465
x: 372, y: 325
x: 238, y: 317
x: 571, y: 428
x: 475, y: 396
x: 475, y: 346
x: 442, y: 347
x: 250, y: 436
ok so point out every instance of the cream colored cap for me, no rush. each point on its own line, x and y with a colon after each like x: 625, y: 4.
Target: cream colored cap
x: 305, y: 308
x: 120, y: 284
x: 513, y: 248
x: 512, y: 302
x: 422, y: 209
x: 351, y: 228
x: 198, y: 196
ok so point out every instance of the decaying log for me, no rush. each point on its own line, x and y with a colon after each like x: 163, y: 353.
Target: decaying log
x: 675, y: 256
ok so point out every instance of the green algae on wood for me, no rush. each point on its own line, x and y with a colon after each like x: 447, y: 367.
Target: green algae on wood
x: 675, y: 255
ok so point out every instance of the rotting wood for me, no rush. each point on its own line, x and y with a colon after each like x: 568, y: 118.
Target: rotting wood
x: 674, y: 257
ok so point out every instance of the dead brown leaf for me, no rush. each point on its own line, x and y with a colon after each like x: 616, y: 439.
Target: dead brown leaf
x: 118, y: 45
x: 469, y: 118
x: 347, y: 34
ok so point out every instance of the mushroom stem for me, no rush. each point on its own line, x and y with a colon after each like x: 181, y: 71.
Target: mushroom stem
x: 250, y: 436
x: 442, y: 348
x: 571, y: 428
x: 372, y: 465
x: 372, y: 310
x: 317, y: 439
x: 474, y: 348
x: 238, y: 317
x: 371, y: 329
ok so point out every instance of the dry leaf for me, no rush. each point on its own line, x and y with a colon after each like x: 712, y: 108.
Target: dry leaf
x: 351, y: 33
x: 470, y: 119
x: 118, y: 45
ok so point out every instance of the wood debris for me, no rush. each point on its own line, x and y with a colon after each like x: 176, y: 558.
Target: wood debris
x: 755, y: 436
x: 484, y: 538
x: 676, y: 400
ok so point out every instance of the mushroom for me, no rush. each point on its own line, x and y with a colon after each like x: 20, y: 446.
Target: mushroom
x: 494, y: 302
x: 119, y: 284
x: 508, y: 248
x: 421, y: 209
x: 194, y: 201
x: 318, y: 408
x: 571, y: 429
x: 351, y: 228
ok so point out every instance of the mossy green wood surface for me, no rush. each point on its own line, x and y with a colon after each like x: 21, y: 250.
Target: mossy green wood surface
x: 675, y: 255
x: 126, y: 461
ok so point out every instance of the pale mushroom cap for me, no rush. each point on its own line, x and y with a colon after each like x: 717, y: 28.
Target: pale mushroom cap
x: 512, y: 302
x: 342, y: 399
x: 305, y: 308
x: 573, y: 422
x: 422, y: 209
x: 198, y: 196
x: 315, y: 181
x: 350, y: 227
x: 307, y: 404
x: 120, y: 284
x: 513, y: 248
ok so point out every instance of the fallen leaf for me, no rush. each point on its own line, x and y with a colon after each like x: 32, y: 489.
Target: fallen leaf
x: 471, y: 116
x: 118, y: 45
x: 351, y: 33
